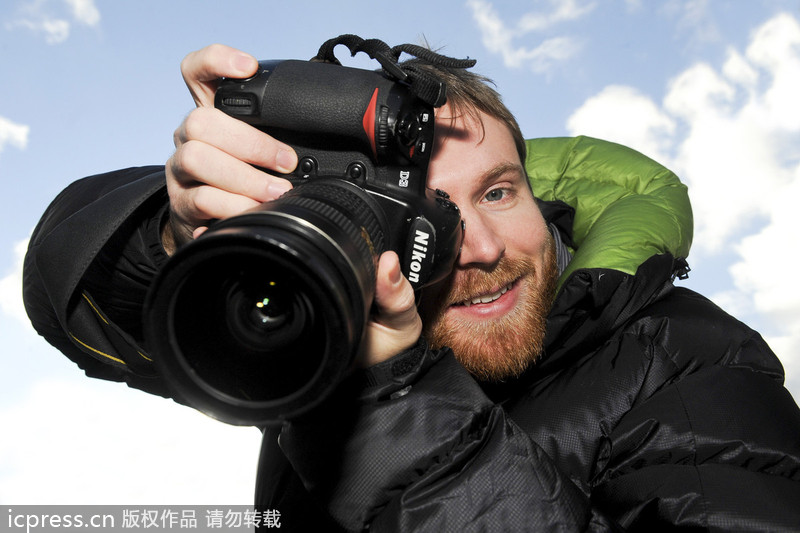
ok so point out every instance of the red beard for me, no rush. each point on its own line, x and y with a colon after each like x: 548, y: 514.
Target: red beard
x: 494, y: 350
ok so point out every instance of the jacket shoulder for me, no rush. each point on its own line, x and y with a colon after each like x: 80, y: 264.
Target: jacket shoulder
x: 710, y: 422
x: 695, y: 333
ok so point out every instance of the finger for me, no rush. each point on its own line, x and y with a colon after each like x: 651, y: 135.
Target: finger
x: 236, y: 138
x: 196, y: 163
x: 209, y: 203
x: 201, y: 70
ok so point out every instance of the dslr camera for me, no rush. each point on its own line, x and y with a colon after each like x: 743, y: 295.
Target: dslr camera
x: 259, y: 319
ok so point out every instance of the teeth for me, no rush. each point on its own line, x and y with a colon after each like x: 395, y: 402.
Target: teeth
x: 488, y: 298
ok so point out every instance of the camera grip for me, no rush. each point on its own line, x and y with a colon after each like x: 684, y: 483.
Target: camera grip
x: 332, y: 103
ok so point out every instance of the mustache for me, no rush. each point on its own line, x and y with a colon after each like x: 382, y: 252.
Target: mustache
x: 470, y: 283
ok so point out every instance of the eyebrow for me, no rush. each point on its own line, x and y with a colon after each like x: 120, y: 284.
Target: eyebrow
x: 499, y: 170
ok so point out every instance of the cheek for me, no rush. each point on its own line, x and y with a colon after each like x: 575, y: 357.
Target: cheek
x: 526, y: 235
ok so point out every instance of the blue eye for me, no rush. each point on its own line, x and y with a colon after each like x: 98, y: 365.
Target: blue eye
x: 495, y: 195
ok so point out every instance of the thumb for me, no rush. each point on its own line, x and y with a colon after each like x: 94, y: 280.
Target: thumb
x: 394, y: 296
x: 395, y: 325
x: 202, y: 69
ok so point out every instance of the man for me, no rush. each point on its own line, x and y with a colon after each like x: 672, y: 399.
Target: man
x: 632, y: 404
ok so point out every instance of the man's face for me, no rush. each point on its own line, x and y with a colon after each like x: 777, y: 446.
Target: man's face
x: 491, y: 310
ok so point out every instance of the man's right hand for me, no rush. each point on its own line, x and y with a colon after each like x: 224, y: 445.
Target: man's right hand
x: 212, y: 175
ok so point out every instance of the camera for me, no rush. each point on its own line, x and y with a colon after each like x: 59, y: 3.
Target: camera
x: 257, y: 321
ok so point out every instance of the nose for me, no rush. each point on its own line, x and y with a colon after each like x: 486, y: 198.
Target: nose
x: 482, y: 246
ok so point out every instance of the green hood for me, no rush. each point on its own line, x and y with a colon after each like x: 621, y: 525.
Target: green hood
x: 627, y: 207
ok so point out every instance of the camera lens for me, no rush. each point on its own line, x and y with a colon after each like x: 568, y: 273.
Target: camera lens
x: 245, y: 327
x: 258, y: 319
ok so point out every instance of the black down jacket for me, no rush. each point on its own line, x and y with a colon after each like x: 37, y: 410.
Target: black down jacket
x: 652, y: 409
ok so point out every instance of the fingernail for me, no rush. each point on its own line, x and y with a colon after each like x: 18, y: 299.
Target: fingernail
x: 285, y: 160
x: 244, y: 63
x: 395, y: 276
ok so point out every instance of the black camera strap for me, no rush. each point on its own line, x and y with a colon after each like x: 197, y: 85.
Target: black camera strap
x: 424, y: 85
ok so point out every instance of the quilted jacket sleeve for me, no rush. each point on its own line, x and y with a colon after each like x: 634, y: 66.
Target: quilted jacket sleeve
x: 88, y: 266
x: 425, y: 450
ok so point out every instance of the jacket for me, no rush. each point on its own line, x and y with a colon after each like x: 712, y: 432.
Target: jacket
x: 651, y: 408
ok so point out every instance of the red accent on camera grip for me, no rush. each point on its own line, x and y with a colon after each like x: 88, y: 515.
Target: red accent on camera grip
x: 369, y: 122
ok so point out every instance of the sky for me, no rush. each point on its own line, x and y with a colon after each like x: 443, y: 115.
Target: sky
x: 706, y: 87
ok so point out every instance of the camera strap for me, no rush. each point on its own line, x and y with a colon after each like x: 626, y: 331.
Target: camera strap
x: 423, y: 84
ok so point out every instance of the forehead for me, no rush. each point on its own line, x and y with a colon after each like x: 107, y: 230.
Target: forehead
x: 467, y: 147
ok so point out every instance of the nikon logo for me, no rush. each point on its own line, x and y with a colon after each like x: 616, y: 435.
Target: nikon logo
x: 418, y: 254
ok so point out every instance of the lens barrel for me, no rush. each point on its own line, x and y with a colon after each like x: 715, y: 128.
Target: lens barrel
x: 259, y: 319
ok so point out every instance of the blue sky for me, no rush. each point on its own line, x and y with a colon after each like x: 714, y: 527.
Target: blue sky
x: 709, y: 88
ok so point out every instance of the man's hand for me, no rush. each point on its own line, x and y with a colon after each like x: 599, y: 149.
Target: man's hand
x: 211, y: 174
x: 396, y: 325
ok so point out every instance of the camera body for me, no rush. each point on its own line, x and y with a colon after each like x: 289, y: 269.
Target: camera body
x: 360, y: 127
x: 258, y: 320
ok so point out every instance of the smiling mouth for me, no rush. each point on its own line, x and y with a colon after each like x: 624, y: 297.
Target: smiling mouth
x: 485, y: 298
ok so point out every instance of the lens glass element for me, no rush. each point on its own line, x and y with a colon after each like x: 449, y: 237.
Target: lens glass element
x: 250, y: 326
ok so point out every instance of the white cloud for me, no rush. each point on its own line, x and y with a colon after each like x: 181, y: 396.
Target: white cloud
x: 733, y: 134
x: 13, y: 133
x: 46, y: 17
x: 92, y: 442
x: 55, y: 31
x: 11, y: 288
x: 770, y: 249
x: 563, y: 11
x: 775, y: 48
x: 628, y: 117
x: 743, y: 147
x: 763, y: 277
x: 500, y: 39
x: 84, y: 11
x: 694, y: 17
x: 729, y: 154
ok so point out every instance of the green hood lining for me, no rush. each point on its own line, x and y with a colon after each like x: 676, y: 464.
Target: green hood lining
x: 627, y: 207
